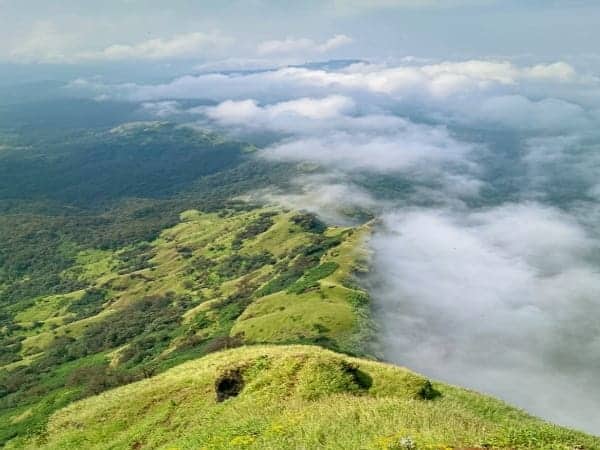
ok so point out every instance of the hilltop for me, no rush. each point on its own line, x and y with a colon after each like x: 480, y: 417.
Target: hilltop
x: 276, y: 397
x: 213, y: 281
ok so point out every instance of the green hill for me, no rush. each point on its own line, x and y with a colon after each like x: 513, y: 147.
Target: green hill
x: 213, y: 281
x: 129, y: 269
x: 295, y: 397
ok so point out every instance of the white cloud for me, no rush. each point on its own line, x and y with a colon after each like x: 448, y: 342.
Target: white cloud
x: 276, y: 115
x: 519, y: 112
x: 452, y: 88
x: 441, y: 79
x: 47, y: 43
x: 302, y: 45
x: 339, y: 40
x: 332, y: 196
x: 240, y: 64
x: 162, y: 109
x: 184, y: 45
x: 556, y: 71
x: 568, y: 162
x: 231, y: 111
x: 288, y: 45
x: 321, y: 109
x: 399, y: 149
x: 502, y: 300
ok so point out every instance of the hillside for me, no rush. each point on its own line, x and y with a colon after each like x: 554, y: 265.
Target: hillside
x: 276, y: 397
x: 212, y: 281
x: 133, y: 281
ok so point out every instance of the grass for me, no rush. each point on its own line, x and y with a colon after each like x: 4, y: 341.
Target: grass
x: 295, y: 397
x: 202, y: 262
x: 317, y: 308
x: 45, y: 309
x: 31, y: 417
x: 292, y: 396
x: 284, y: 318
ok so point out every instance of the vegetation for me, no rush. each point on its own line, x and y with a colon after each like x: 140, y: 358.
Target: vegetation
x: 150, y: 305
x: 66, y: 190
x: 125, y: 252
x: 295, y: 397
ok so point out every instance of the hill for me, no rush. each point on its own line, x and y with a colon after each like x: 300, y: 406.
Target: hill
x: 127, y: 261
x: 292, y: 397
x: 213, y: 281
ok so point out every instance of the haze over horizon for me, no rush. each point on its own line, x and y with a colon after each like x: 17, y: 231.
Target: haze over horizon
x: 469, y: 128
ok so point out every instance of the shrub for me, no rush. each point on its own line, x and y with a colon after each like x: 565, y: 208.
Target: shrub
x: 312, y: 276
x: 309, y: 222
x: 237, y: 265
x: 258, y: 226
x: 89, y: 304
x: 99, y: 378
x: 224, y: 342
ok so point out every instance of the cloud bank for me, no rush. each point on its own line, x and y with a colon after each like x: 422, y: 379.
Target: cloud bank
x: 503, y: 299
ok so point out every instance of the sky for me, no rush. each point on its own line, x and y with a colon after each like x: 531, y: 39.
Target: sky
x: 87, y: 32
x: 469, y: 128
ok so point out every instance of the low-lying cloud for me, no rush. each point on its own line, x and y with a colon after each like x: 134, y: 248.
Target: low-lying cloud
x: 401, y: 149
x: 181, y: 46
x: 504, y: 299
x: 248, y: 112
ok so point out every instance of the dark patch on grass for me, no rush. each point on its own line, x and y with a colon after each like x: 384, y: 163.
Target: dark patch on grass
x: 428, y: 392
x: 362, y: 379
x: 229, y: 384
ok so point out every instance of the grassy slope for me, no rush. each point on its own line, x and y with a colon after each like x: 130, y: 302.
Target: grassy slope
x: 295, y: 397
x: 284, y: 317
x: 209, y: 236
x: 187, y: 263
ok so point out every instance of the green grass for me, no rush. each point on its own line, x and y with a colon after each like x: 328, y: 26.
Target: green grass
x: 210, y: 264
x: 318, y: 307
x: 285, y: 318
x: 295, y: 397
x: 199, y: 287
x: 30, y: 417
x: 45, y: 309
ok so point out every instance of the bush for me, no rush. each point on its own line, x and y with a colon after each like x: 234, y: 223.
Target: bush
x: 236, y: 265
x: 310, y: 279
x: 96, y: 379
x: 223, y: 343
x: 309, y: 222
x: 260, y: 225
x: 89, y: 304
